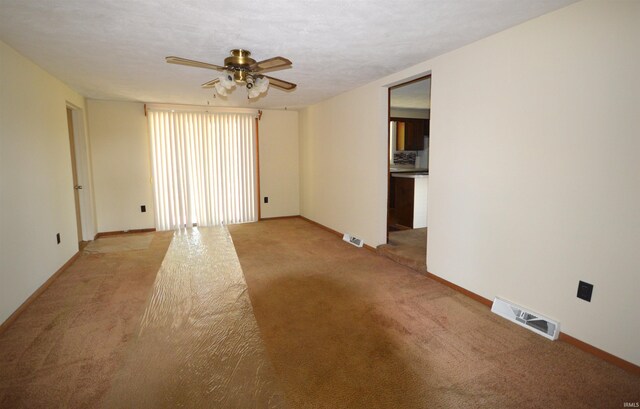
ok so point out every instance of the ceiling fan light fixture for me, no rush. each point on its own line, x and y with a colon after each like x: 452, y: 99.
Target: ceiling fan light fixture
x: 262, y: 84
x: 227, y: 80
x: 220, y: 89
x: 259, y: 86
x: 252, y: 93
x: 241, y: 69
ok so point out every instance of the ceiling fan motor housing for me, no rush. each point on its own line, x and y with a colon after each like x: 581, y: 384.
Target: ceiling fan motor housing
x: 239, y: 59
x: 239, y: 62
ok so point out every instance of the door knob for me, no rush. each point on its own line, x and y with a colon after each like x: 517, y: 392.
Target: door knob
x: 77, y: 187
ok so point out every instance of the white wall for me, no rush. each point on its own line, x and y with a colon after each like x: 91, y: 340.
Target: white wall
x: 36, y: 185
x: 279, y: 170
x: 121, y: 165
x: 533, y: 177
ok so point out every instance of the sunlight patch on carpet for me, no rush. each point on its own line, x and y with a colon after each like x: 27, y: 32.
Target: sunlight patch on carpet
x: 198, y: 343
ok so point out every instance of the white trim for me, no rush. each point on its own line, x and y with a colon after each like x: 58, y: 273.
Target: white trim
x: 199, y: 108
x: 407, y: 79
x: 83, y: 169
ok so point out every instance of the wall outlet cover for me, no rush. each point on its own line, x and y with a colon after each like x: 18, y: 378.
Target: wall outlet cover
x: 585, y: 290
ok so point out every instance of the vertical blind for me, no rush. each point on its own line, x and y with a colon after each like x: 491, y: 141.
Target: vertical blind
x: 204, y: 168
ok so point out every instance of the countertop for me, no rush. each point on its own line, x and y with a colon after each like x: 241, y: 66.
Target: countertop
x: 402, y: 169
x: 410, y: 175
x: 407, y: 171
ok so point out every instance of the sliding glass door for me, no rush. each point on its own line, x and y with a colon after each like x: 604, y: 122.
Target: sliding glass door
x: 204, y: 168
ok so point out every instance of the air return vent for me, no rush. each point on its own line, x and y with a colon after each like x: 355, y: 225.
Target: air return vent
x: 352, y: 240
x: 533, y: 321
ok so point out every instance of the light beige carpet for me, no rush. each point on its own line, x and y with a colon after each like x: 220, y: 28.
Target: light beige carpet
x: 407, y: 247
x: 346, y: 328
x: 65, y: 348
x: 343, y: 328
x: 114, y: 244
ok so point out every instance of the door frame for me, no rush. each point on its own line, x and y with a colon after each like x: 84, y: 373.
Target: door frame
x: 74, y: 174
x: 395, y: 85
x: 83, y: 170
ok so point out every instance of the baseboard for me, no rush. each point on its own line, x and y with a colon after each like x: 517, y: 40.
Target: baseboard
x: 626, y: 365
x: 119, y: 232
x: 604, y: 355
x: 337, y: 233
x: 462, y: 290
x: 7, y: 323
x: 279, y: 218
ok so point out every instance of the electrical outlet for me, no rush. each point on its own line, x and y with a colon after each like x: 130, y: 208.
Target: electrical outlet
x: 585, y: 290
x: 58, y: 238
x: 143, y: 208
x: 266, y: 199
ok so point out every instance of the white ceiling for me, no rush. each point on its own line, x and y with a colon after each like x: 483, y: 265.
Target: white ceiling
x: 115, y: 49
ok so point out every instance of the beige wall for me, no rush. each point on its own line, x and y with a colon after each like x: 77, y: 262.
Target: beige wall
x: 343, y: 163
x: 122, y: 169
x: 534, y: 174
x: 121, y: 165
x: 279, y: 171
x: 36, y: 185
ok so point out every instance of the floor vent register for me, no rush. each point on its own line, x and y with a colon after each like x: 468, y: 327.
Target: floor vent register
x: 532, y: 321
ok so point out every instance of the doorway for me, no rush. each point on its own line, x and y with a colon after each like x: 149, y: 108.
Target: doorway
x: 408, y: 175
x: 79, y: 157
x: 74, y: 172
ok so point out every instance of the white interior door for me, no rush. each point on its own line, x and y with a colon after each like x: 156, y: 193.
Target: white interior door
x: 80, y: 162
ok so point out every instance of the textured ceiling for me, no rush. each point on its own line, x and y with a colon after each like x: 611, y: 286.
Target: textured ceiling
x: 115, y: 49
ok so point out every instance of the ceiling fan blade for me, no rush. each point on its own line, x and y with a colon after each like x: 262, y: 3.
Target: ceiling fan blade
x: 192, y: 63
x: 281, y: 84
x: 275, y: 63
x: 210, y: 84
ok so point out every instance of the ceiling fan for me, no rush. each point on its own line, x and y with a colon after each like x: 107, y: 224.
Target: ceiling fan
x: 240, y: 68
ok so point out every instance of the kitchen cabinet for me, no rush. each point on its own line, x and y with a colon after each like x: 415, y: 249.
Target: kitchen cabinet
x: 410, y: 200
x: 410, y: 133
